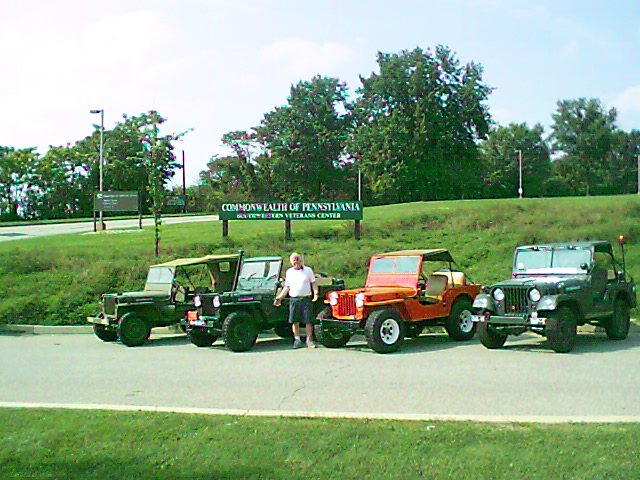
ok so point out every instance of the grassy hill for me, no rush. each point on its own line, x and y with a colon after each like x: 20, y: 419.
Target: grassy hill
x: 57, y: 280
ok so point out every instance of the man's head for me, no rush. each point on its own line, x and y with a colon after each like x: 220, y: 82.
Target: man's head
x: 296, y: 260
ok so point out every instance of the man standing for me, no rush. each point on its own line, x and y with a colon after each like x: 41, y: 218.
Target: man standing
x: 300, y: 284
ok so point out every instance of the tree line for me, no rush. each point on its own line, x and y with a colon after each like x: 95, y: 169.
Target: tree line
x: 418, y: 130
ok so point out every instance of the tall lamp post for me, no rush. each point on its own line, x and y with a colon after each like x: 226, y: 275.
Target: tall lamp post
x: 520, y: 173
x: 101, y: 112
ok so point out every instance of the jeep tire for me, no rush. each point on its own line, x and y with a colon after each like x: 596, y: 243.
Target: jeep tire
x: 133, y: 330
x: 283, y: 330
x: 201, y: 339
x: 489, y: 338
x: 105, y: 334
x: 330, y: 337
x: 239, y: 332
x: 561, y: 329
x: 459, y: 325
x: 385, y: 330
x: 617, y: 326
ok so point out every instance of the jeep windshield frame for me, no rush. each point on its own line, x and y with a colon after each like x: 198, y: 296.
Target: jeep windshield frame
x: 260, y: 274
x: 159, y: 278
x: 552, y: 260
x: 394, y: 271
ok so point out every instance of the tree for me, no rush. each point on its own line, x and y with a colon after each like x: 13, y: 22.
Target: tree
x: 304, y: 142
x: 500, y: 154
x: 584, y: 133
x: 417, y: 124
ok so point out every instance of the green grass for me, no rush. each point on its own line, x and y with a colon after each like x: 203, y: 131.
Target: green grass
x: 48, y: 444
x: 58, y: 280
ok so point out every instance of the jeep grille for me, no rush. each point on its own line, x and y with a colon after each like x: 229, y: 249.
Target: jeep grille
x: 515, y: 299
x: 347, y: 304
x: 207, y: 307
x: 109, y: 305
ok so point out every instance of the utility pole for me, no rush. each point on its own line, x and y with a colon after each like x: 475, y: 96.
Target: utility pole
x: 184, y: 186
x: 101, y: 112
x: 638, y: 174
x: 520, y: 173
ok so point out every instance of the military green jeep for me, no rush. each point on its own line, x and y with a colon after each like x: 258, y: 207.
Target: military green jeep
x: 167, y: 296
x: 553, y: 288
x: 247, y: 309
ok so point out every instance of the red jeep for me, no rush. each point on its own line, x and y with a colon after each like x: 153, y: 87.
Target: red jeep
x: 405, y: 292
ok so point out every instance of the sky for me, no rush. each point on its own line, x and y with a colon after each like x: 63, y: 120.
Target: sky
x: 216, y: 66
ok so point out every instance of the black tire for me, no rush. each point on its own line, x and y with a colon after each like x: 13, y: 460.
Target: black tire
x: 239, y: 332
x: 330, y: 337
x: 489, y: 338
x: 284, y: 330
x: 133, y: 330
x: 385, y: 330
x: 617, y: 327
x: 561, y: 330
x: 459, y: 325
x: 201, y: 339
x: 105, y: 334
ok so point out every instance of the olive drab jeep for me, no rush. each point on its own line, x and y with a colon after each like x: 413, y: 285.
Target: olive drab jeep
x: 553, y: 289
x: 245, y: 310
x: 167, y: 296
x: 405, y: 292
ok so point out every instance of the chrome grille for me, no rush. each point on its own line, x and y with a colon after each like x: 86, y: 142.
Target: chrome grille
x: 346, y: 304
x: 515, y: 299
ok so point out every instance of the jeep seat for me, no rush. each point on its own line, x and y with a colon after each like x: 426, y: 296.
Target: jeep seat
x: 456, y: 279
x: 436, y: 285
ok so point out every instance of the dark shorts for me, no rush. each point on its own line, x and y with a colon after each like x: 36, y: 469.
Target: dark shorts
x: 300, y: 310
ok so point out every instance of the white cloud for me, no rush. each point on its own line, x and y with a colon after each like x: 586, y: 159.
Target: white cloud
x: 304, y: 58
x: 628, y: 100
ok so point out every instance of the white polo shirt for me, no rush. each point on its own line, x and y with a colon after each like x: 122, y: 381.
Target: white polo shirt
x: 299, y: 281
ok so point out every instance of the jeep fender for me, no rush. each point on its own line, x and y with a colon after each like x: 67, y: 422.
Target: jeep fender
x: 551, y: 303
x: 484, y: 302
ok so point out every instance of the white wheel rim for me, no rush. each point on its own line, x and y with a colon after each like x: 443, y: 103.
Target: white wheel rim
x: 389, y: 331
x: 466, y: 324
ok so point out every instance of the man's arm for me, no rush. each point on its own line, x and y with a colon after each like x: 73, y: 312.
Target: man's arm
x: 283, y: 293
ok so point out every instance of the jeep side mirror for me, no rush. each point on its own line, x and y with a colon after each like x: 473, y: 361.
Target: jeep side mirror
x: 584, y: 266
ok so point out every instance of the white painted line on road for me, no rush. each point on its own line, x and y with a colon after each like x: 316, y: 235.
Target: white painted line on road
x: 302, y: 414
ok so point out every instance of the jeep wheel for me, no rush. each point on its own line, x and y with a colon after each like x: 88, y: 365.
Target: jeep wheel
x: 385, y: 330
x: 238, y: 332
x: 201, y: 339
x: 617, y: 327
x: 133, y: 330
x: 489, y: 338
x: 330, y: 337
x: 561, y: 330
x: 283, y: 330
x: 459, y: 325
x: 105, y: 334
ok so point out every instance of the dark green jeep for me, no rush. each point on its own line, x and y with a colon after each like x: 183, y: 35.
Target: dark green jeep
x: 247, y: 309
x: 555, y: 287
x: 167, y: 296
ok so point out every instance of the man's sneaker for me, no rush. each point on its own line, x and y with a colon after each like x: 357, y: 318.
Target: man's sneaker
x: 297, y: 343
x: 310, y: 344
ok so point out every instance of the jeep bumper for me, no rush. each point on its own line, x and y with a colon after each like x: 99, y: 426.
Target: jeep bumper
x: 350, y: 325
x: 103, y: 319
x: 525, y: 320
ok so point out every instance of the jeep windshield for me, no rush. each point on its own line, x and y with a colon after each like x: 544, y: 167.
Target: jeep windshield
x: 261, y: 275
x: 567, y: 260
x: 159, y: 277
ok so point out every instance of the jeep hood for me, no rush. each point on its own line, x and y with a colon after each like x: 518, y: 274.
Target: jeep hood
x: 386, y: 292
x: 152, y: 294
x: 541, y: 281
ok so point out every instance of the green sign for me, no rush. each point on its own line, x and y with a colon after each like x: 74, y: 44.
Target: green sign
x: 116, y: 201
x: 292, y: 211
x: 177, y: 201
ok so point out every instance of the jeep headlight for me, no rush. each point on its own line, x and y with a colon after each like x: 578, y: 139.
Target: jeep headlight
x: 197, y: 301
x: 498, y: 294
x: 359, y: 299
x: 333, y: 298
x: 535, y: 295
x: 216, y: 302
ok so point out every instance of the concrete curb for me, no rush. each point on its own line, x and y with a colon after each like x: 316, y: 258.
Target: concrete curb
x: 69, y: 329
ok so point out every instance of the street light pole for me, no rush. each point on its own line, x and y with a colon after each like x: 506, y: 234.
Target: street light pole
x: 101, y: 112
x: 520, y: 173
